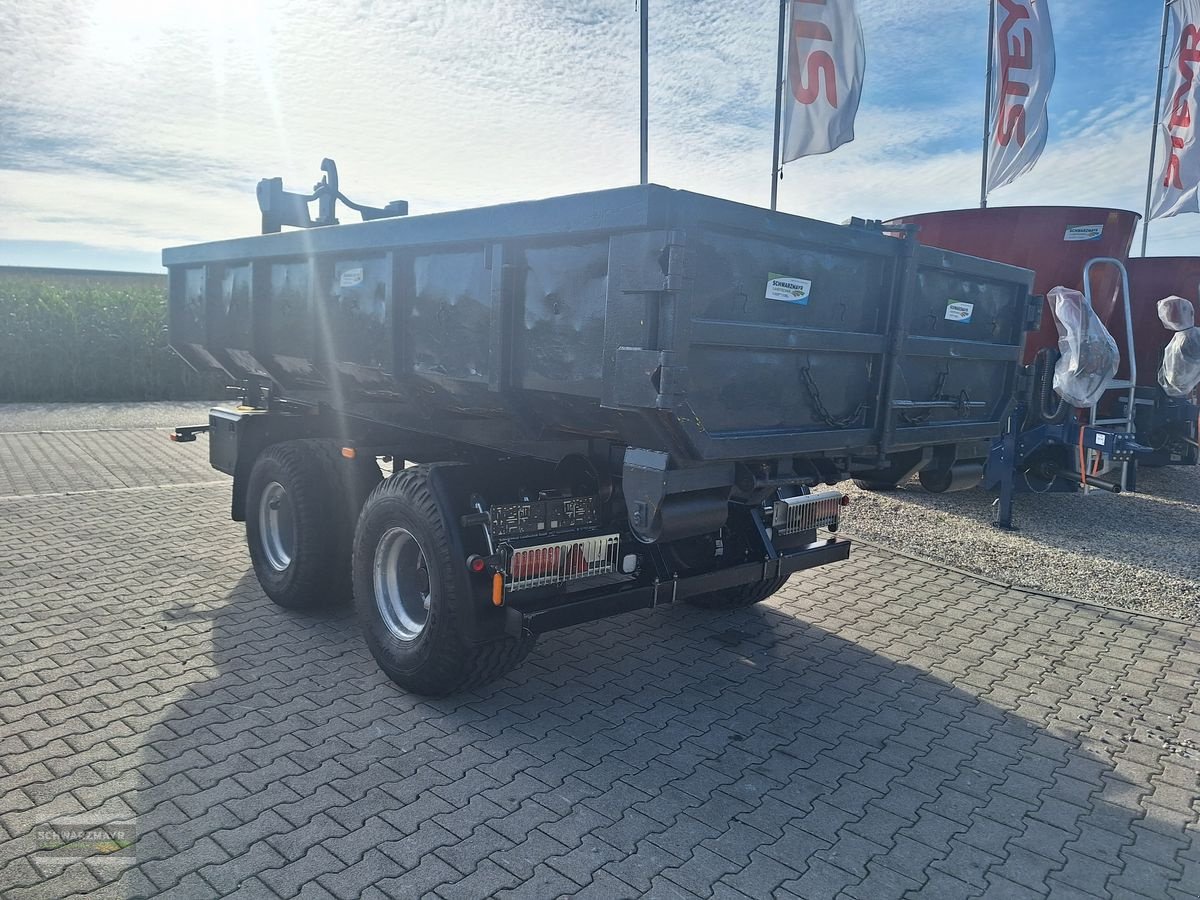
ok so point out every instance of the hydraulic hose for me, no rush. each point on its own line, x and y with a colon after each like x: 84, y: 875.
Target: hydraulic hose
x: 1045, y: 362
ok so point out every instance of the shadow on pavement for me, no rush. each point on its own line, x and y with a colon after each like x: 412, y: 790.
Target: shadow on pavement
x: 667, y: 750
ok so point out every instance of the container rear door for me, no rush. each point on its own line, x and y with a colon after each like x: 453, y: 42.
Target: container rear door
x: 785, y: 343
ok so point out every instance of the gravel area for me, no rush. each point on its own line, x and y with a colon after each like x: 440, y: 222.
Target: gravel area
x: 17, y: 417
x: 1138, y: 551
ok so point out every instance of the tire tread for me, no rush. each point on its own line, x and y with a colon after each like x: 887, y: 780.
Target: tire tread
x: 456, y: 666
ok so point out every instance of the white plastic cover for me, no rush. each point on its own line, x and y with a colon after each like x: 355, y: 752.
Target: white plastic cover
x: 1089, y: 355
x: 1180, y: 370
x: 1176, y: 314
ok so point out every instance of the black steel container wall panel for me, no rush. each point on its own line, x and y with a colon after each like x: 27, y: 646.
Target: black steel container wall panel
x: 940, y: 309
x: 760, y: 364
x: 352, y: 318
x: 188, y: 316
x: 559, y: 344
x: 285, y: 299
x: 963, y: 342
x: 446, y: 319
x: 731, y: 272
x: 233, y: 328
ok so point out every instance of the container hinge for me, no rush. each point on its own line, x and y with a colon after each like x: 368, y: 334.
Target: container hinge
x: 669, y: 379
x: 649, y: 379
x: 674, y: 261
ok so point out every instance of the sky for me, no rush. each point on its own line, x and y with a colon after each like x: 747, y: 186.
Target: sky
x: 126, y: 127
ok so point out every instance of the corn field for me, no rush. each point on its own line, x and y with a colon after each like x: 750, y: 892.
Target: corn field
x: 73, y: 338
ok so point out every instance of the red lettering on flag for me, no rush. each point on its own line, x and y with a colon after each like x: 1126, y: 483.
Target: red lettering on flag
x: 1016, y: 53
x: 805, y: 78
x: 1181, y: 110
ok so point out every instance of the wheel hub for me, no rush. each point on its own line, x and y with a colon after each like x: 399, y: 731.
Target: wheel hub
x: 276, y: 525
x: 402, y: 584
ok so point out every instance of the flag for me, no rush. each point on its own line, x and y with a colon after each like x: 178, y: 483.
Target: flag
x: 1022, y: 76
x: 1175, y: 189
x: 826, y: 62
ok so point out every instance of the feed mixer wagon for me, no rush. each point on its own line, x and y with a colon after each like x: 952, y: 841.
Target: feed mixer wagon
x: 1166, y: 422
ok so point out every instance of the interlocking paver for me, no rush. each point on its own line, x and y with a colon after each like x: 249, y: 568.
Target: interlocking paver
x: 879, y: 728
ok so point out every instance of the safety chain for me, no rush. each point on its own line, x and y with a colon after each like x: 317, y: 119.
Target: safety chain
x: 818, y: 408
x: 922, y: 418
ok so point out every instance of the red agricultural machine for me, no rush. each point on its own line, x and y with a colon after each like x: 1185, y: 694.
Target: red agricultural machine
x: 1168, y: 425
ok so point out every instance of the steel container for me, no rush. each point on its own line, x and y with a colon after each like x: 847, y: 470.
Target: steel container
x: 1056, y: 242
x: 641, y: 316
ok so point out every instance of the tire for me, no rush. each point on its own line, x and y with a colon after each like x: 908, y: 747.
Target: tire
x: 735, y: 598
x: 301, y: 554
x: 875, y: 486
x: 411, y: 594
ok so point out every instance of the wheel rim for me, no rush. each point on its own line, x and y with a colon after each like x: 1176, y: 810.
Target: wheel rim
x: 276, y: 526
x: 402, y: 588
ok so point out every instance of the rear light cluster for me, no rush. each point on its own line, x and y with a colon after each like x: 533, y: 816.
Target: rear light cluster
x: 541, y: 561
x: 809, y: 512
x: 563, y: 561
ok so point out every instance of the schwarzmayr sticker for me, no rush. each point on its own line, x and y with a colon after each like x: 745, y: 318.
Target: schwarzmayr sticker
x: 788, y: 289
x: 1084, y: 233
x: 958, y: 311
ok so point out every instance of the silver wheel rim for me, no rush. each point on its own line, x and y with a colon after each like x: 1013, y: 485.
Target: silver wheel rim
x: 276, y: 526
x: 402, y: 586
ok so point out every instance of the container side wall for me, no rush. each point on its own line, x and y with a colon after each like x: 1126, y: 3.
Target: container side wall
x: 1055, y: 242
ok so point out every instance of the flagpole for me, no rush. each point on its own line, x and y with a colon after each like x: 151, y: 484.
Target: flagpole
x: 645, y: 88
x: 1162, y: 62
x: 987, y: 103
x: 783, y: 6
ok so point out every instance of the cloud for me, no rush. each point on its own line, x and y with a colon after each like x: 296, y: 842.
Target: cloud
x: 135, y: 125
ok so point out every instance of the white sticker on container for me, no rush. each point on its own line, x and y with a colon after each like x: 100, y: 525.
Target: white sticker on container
x: 352, y: 277
x: 788, y: 289
x: 958, y: 311
x: 1084, y: 233
x: 1100, y: 439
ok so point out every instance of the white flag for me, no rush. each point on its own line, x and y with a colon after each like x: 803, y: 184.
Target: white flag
x: 1176, y: 187
x: 826, y: 62
x: 1022, y: 76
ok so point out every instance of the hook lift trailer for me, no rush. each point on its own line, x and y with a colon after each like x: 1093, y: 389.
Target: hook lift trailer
x: 591, y: 404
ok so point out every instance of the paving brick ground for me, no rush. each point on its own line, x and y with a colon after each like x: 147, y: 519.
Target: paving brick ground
x: 881, y: 728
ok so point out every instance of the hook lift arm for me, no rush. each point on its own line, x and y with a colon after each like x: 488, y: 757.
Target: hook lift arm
x: 280, y: 207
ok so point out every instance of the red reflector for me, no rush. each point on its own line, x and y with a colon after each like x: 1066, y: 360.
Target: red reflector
x: 577, y: 563
x: 478, y: 564
x: 845, y: 501
x: 533, y: 563
x: 548, y: 561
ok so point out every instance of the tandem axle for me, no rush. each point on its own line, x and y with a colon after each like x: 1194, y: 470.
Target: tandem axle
x: 456, y: 566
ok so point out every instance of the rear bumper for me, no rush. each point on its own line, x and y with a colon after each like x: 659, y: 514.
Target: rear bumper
x: 628, y: 597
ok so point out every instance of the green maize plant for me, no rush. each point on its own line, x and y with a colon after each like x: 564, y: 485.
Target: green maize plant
x: 75, y: 338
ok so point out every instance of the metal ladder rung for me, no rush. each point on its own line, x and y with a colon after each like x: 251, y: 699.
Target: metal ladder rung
x: 1118, y: 384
